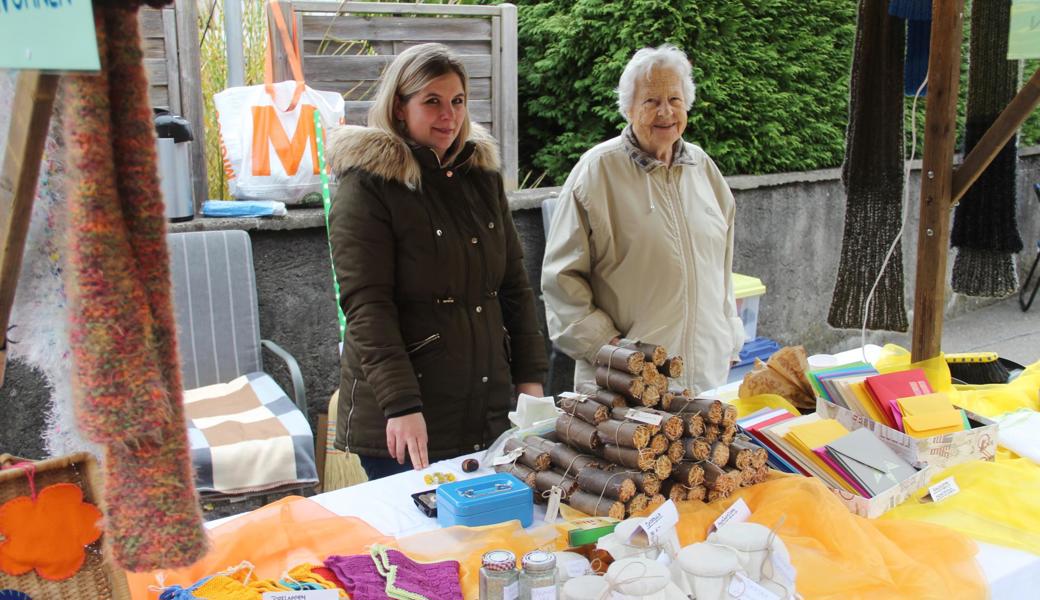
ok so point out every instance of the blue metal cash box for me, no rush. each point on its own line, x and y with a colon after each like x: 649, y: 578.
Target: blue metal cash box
x: 485, y: 501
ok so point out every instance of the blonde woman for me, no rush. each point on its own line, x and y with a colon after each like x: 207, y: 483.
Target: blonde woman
x: 440, y: 315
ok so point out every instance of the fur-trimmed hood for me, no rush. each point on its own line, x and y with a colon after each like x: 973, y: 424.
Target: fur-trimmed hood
x: 388, y: 156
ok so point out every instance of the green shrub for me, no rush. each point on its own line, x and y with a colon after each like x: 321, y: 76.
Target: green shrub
x: 772, y: 77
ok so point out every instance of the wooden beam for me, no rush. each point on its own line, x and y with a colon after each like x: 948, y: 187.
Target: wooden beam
x: 944, y: 66
x: 30, y: 119
x: 998, y: 134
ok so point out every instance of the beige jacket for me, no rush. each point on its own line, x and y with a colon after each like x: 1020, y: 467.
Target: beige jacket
x: 641, y: 250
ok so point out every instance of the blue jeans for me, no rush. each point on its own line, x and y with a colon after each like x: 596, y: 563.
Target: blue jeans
x: 377, y: 468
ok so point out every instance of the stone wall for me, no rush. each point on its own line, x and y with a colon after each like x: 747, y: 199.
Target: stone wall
x: 789, y: 230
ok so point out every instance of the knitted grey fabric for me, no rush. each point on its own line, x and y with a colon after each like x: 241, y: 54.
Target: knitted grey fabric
x: 985, y: 227
x: 873, y: 177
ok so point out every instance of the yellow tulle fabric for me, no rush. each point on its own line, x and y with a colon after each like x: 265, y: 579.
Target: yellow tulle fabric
x: 997, y: 503
x: 746, y: 406
x: 839, y: 555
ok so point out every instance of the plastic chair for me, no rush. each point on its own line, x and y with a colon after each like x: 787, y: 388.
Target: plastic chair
x: 1022, y: 302
x: 215, y: 305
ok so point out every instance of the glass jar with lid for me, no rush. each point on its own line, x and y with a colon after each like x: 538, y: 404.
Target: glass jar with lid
x: 498, y: 576
x: 538, y: 580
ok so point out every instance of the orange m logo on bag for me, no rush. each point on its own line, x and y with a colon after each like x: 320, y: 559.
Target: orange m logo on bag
x: 268, y: 132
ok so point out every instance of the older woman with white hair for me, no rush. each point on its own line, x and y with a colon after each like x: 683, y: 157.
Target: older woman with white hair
x: 641, y: 242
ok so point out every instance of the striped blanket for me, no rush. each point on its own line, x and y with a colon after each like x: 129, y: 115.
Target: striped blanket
x: 247, y: 436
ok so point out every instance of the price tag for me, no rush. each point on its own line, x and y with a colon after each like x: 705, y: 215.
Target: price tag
x: 742, y: 588
x: 737, y: 513
x: 665, y: 559
x: 553, y: 509
x: 644, y: 417
x: 508, y: 457
x: 943, y: 490
x: 511, y: 591
x: 543, y: 593
x: 654, y: 528
x: 303, y: 595
x: 573, y: 396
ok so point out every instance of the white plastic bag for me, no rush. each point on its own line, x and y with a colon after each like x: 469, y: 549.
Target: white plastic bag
x: 267, y: 132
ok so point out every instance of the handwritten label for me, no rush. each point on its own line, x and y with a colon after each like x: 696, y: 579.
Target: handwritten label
x: 508, y: 457
x: 48, y: 34
x: 737, y: 513
x: 543, y: 593
x: 656, y: 526
x: 742, y: 588
x: 943, y: 490
x: 553, y: 509
x: 511, y: 591
x: 576, y: 568
x: 644, y: 417
x: 303, y: 595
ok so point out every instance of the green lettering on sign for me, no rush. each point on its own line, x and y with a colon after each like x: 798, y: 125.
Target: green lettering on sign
x: 49, y: 35
x: 1024, y: 35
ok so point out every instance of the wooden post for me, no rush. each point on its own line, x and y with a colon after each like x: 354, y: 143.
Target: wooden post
x: 937, y: 177
x: 31, y: 116
x: 189, y: 61
x: 282, y: 71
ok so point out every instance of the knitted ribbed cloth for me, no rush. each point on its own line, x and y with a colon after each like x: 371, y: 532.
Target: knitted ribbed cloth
x: 361, y: 577
x: 873, y: 177
x: 127, y: 385
x: 985, y: 226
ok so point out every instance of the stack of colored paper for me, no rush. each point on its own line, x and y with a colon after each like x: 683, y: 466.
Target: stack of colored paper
x: 901, y: 400
x: 855, y: 462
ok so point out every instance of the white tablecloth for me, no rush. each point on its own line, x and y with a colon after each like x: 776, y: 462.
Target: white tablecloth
x: 386, y: 504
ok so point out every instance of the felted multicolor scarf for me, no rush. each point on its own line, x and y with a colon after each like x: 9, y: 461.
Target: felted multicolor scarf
x: 126, y: 376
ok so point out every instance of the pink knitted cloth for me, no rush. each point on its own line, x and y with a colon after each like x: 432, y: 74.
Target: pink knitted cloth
x: 361, y: 579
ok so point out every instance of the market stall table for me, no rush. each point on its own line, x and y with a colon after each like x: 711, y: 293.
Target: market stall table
x: 386, y: 504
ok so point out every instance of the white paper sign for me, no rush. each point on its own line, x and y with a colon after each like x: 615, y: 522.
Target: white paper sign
x: 654, y: 528
x: 303, y: 595
x: 738, y: 513
x: 553, y: 509
x: 742, y: 588
x: 543, y: 593
x: 943, y: 490
x: 508, y: 457
x: 511, y: 591
x: 643, y: 417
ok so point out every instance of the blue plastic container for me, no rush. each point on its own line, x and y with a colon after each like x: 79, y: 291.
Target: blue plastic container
x: 760, y: 348
x: 485, y: 501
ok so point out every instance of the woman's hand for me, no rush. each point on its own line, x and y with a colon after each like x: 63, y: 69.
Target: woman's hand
x: 531, y: 389
x: 408, y: 433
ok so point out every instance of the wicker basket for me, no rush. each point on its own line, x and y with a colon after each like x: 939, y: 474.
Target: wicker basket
x: 99, y: 579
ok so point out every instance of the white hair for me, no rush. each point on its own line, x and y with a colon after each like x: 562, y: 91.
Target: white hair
x: 665, y: 56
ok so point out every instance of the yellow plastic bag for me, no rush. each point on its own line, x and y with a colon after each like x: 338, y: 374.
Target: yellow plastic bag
x: 746, y: 406
x: 839, y: 555
x: 897, y: 358
x: 1000, y: 398
x: 996, y: 503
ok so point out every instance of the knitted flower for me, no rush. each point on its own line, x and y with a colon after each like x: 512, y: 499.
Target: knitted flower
x: 47, y: 533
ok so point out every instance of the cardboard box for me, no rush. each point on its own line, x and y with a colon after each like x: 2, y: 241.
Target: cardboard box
x: 939, y: 451
x: 873, y: 508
